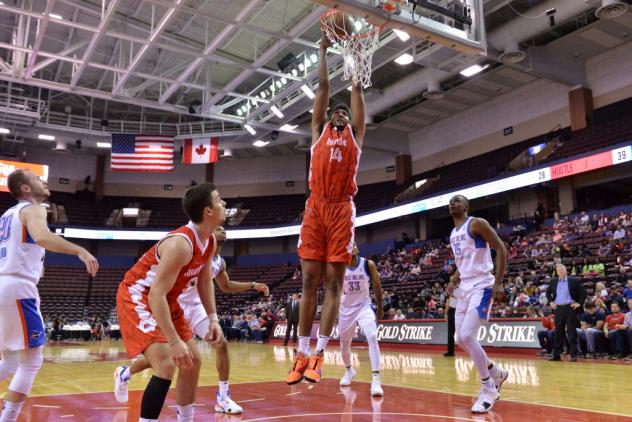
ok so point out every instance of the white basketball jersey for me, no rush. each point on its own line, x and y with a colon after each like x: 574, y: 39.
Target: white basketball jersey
x: 20, y: 257
x: 356, y: 285
x: 190, y: 296
x: 472, y: 256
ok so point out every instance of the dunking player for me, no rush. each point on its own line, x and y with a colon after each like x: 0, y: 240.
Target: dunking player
x: 326, y: 237
x: 471, y: 239
x: 196, y: 316
x: 24, y: 238
x: 355, y: 308
x: 153, y: 323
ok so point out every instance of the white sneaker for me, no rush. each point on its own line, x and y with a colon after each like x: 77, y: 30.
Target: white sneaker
x: 486, y: 399
x: 227, y: 405
x: 349, y: 375
x: 120, y: 385
x: 376, y: 388
x: 503, y: 374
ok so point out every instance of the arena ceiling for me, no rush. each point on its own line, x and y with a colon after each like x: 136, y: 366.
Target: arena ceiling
x: 192, y: 67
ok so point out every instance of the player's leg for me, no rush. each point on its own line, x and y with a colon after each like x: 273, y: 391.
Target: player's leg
x: 368, y: 324
x: 480, y: 301
x: 9, y: 364
x: 222, y: 363
x: 21, y: 330
x: 187, y: 383
x: 30, y: 363
x: 346, y: 328
x: 160, y: 359
x: 311, y: 270
x: 123, y: 375
x: 334, y: 275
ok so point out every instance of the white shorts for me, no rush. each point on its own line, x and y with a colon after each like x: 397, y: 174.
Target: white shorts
x: 21, y: 325
x: 196, y: 317
x: 362, y: 315
x: 479, y: 299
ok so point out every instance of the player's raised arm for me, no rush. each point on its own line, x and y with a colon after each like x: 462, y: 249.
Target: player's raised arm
x: 228, y: 286
x: 34, y: 217
x: 358, y: 123
x: 174, y: 252
x: 321, y: 100
x: 377, y: 289
x: 482, y: 228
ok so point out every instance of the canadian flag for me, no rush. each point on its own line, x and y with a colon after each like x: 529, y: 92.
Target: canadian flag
x: 200, y: 151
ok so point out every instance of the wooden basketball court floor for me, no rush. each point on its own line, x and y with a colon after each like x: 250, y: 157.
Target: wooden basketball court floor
x: 75, y: 384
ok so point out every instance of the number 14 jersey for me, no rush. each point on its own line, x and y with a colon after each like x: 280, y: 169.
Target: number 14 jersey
x: 334, y: 163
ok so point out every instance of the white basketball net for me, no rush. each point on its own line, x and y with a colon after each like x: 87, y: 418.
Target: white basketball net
x: 357, y: 48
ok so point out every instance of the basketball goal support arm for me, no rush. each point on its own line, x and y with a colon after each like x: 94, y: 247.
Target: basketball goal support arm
x: 321, y: 99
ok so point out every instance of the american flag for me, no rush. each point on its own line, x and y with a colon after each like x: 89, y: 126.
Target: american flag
x: 150, y: 153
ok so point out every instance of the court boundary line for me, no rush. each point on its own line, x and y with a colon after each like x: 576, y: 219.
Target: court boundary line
x: 458, y: 418
x: 389, y: 385
x: 501, y: 400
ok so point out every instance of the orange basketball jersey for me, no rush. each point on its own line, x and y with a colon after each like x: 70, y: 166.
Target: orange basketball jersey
x: 334, y: 164
x: 139, y: 279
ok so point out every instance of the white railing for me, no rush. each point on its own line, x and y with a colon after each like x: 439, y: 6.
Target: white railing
x: 18, y: 104
x: 126, y: 126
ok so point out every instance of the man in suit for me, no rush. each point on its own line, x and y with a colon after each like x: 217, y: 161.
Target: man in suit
x: 565, y: 294
x: 291, y: 313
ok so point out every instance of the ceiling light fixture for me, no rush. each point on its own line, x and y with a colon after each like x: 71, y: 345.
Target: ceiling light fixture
x: 307, y: 90
x: 277, y: 112
x: 55, y: 16
x: 473, y: 70
x: 259, y: 143
x: 404, y: 59
x: 46, y: 137
x: 104, y: 145
x: 402, y: 35
x: 288, y: 127
x: 250, y: 129
x: 4, y: 130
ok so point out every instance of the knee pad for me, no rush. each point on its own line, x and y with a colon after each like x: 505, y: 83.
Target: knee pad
x: 30, y: 364
x: 370, y: 332
x: 9, y: 364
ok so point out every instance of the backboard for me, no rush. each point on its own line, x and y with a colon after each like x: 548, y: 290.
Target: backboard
x: 457, y: 24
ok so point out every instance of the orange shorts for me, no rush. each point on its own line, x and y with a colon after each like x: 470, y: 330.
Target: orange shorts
x: 139, y: 329
x: 327, y: 232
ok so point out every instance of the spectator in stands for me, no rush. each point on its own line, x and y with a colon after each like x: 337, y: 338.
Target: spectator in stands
x: 530, y: 289
x: 619, y: 233
x: 604, y: 249
x: 627, y: 322
x: 575, y: 268
x: 591, y: 330
x: 598, y: 268
x: 546, y: 337
x: 391, y: 314
x: 614, y: 331
x: 255, y: 329
x: 399, y: 316
x: 627, y: 294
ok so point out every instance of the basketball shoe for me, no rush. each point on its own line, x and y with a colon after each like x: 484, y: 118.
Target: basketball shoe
x: 503, y: 374
x: 226, y: 405
x: 300, y: 365
x: 486, y: 398
x: 349, y: 375
x: 121, y: 381
x: 376, y: 388
x: 314, y: 368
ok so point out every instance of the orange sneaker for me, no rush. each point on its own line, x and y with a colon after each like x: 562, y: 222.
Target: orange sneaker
x: 296, y: 374
x: 314, y: 368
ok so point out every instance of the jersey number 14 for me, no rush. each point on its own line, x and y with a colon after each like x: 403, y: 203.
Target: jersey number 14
x: 335, y: 154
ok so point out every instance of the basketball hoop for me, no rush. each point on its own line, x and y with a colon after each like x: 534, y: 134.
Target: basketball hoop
x: 357, y: 46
